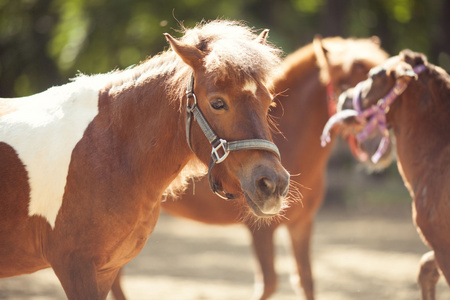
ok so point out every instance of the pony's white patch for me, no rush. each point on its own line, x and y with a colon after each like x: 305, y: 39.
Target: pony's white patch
x: 43, y: 129
x: 250, y: 86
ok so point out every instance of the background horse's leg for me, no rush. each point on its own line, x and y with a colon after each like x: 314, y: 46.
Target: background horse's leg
x: 263, y: 248
x: 116, y: 288
x: 300, y: 233
x: 428, y: 276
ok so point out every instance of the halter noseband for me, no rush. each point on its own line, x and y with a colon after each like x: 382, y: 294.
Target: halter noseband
x: 374, y: 116
x: 220, y: 147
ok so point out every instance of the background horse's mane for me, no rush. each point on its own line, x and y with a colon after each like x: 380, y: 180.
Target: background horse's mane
x: 340, y: 53
x: 344, y: 52
x: 351, y: 49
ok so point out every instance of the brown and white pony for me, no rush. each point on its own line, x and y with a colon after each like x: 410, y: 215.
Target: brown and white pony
x: 413, y: 97
x: 83, y: 166
x: 306, y: 89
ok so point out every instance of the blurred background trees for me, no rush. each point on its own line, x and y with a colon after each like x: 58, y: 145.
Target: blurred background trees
x: 45, y: 42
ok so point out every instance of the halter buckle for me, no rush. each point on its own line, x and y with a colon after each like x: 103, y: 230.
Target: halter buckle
x: 191, y: 95
x: 215, y: 151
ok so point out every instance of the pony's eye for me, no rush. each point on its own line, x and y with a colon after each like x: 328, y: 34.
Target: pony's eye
x: 218, y: 104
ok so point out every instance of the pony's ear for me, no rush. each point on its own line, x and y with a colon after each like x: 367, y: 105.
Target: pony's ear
x: 376, y: 40
x: 404, y: 69
x: 189, y: 54
x: 262, y: 38
x: 413, y: 58
x: 408, y: 60
x: 322, y: 59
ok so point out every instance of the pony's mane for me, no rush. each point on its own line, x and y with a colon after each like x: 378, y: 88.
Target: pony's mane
x: 346, y: 51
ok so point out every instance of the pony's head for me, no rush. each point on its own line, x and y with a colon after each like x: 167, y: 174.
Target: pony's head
x: 229, y: 94
x: 382, y: 79
x: 343, y: 63
x: 372, y: 99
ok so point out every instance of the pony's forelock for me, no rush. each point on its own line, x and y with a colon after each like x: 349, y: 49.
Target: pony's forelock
x: 233, y: 50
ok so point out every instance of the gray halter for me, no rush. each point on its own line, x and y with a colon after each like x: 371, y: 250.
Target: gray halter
x: 220, y: 147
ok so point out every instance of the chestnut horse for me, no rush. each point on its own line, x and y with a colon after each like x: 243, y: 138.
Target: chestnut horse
x: 308, y: 77
x: 412, y: 96
x: 84, y: 166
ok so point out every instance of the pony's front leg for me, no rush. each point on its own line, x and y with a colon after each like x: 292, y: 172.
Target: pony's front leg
x: 80, y: 279
x: 428, y: 276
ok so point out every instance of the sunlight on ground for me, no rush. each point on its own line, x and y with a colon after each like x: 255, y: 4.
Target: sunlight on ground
x: 354, y: 257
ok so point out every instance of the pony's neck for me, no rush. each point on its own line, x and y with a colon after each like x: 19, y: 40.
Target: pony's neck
x: 145, y: 125
x: 420, y: 122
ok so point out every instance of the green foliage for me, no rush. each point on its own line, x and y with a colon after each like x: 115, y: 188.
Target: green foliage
x: 307, y: 6
x: 45, y: 42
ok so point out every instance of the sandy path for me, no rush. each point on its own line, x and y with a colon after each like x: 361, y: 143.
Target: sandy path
x: 369, y: 256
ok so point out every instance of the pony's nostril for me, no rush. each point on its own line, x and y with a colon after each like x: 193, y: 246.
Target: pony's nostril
x: 266, y: 185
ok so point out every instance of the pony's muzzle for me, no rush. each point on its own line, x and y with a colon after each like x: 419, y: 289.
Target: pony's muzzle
x: 266, y: 192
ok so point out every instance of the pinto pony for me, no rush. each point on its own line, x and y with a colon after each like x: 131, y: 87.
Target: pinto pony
x: 306, y: 88
x: 412, y: 97
x: 83, y: 166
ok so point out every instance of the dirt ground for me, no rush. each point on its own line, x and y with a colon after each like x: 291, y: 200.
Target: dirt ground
x: 355, y: 256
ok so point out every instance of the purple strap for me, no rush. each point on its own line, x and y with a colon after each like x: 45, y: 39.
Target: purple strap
x: 372, y: 117
x: 336, y: 118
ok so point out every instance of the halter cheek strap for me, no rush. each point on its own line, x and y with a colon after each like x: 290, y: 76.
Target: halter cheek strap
x: 220, y: 147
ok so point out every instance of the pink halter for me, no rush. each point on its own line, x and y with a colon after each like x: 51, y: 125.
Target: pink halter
x: 372, y: 117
